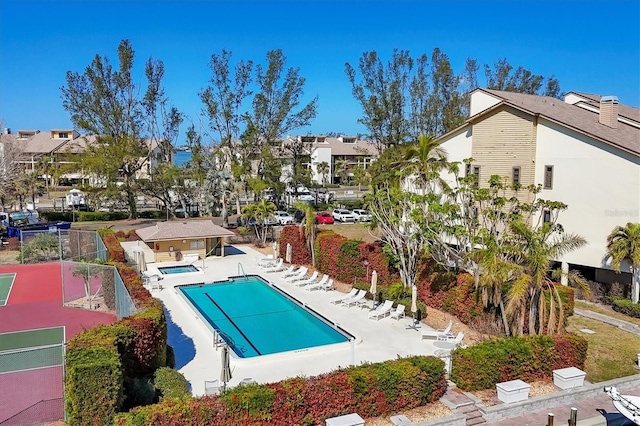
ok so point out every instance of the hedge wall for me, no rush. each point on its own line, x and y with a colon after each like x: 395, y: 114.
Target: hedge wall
x: 526, y: 358
x: 627, y: 307
x: 300, y: 254
x: 370, y: 390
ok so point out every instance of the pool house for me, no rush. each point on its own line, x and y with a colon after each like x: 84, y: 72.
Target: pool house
x: 173, y: 241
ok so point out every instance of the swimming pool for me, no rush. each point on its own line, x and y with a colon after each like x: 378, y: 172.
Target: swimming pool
x: 181, y: 269
x: 257, y: 319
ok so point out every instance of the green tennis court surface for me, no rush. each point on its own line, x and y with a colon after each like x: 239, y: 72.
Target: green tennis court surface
x: 26, y: 350
x: 6, y: 282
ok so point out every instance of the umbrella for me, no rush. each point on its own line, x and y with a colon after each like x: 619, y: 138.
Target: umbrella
x: 225, y: 374
x: 142, y: 262
x: 288, y: 255
x: 414, y: 299
x: 275, y: 249
x: 374, y: 284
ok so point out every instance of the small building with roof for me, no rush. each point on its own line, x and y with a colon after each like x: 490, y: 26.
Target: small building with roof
x: 174, y: 240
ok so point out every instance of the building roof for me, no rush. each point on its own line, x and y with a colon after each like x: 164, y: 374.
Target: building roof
x: 182, y: 229
x: 623, y: 110
x: 625, y: 136
x: 40, y: 143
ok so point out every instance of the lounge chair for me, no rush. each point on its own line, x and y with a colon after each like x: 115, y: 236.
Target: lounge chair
x: 291, y: 271
x: 306, y: 281
x: 318, y: 284
x: 329, y: 285
x: 299, y: 275
x: 211, y: 387
x: 438, y: 334
x: 278, y: 267
x: 457, y: 340
x: 355, y: 300
x: 349, y: 295
x: 398, y: 313
x: 382, y: 310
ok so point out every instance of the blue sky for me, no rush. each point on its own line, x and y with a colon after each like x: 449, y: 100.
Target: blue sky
x: 590, y: 46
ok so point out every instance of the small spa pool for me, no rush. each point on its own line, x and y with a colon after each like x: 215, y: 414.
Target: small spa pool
x: 181, y: 269
x: 256, y: 319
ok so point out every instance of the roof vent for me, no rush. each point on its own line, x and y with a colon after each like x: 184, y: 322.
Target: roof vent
x: 609, y: 111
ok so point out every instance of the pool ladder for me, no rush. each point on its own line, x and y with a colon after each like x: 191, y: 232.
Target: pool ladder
x: 241, y: 268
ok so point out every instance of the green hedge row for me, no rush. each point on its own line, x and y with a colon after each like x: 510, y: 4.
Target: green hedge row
x: 526, y: 358
x: 627, y: 307
x: 370, y: 390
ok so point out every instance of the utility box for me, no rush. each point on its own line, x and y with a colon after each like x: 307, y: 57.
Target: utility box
x: 513, y: 391
x: 567, y: 378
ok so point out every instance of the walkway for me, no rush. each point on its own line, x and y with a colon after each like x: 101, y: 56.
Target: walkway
x: 621, y: 324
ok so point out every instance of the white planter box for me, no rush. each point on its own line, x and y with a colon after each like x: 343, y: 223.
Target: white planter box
x: 346, y: 420
x: 567, y: 378
x: 513, y: 391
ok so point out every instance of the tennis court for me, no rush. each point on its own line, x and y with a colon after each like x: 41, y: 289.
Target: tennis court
x: 32, y: 375
x: 6, y: 284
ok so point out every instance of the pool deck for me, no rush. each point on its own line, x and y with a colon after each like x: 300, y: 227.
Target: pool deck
x: 376, y: 341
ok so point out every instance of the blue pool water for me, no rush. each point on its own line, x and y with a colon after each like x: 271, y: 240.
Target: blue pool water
x: 257, y: 319
x: 177, y: 269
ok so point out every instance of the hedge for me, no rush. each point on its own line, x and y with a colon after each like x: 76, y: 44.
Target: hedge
x: 627, y: 307
x: 527, y: 358
x: 370, y: 390
x: 170, y: 384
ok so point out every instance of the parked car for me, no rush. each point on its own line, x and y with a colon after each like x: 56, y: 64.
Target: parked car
x: 324, y: 218
x: 343, y: 215
x: 306, y: 196
x: 283, y: 218
x: 362, y: 215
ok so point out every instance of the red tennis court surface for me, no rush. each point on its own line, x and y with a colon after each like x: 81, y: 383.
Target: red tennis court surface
x: 36, y: 302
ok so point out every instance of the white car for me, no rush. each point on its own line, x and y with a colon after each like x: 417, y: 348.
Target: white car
x: 283, y: 218
x: 343, y: 215
x: 362, y: 215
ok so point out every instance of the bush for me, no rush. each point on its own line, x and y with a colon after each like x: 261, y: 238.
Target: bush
x: 525, y: 358
x: 627, y: 307
x: 100, y: 216
x: 170, y: 383
x: 66, y: 216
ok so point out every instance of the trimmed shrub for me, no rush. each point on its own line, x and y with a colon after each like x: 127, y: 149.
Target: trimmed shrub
x: 100, y: 216
x: 370, y: 389
x: 170, y: 383
x: 525, y: 358
x: 627, y: 307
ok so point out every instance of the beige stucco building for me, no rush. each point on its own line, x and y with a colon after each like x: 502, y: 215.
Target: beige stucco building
x: 585, y: 152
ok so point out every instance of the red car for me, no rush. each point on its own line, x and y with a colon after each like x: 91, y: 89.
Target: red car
x: 324, y: 218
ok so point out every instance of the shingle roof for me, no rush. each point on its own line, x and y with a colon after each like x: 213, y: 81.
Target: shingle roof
x: 623, y: 110
x: 579, y: 119
x: 182, y: 229
x: 40, y: 143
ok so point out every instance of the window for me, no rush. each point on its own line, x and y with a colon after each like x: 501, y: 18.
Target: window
x: 515, y: 175
x: 349, y: 140
x: 548, y: 177
x: 196, y: 244
x: 476, y: 172
x: 467, y: 169
x: 63, y: 135
x: 547, y: 216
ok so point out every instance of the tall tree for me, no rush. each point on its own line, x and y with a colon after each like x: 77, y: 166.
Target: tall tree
x: 503, y: 76
x: 323, y: 169
x: 445, y: 105
x: 623, y: 244
x: 276, y: 107
x: 10, y: 169
x: 105, y: 102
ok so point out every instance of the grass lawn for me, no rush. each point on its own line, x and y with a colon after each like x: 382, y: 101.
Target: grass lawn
x: 612, y: 352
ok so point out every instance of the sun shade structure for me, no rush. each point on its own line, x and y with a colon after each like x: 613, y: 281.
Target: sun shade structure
x: 172, y: 240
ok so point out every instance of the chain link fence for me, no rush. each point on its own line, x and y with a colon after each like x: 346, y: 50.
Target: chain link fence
x: 38, y: 246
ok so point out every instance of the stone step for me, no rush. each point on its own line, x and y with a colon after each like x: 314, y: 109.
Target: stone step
x: 467, y: 409
x: 473, y: 415
x: 476, y: 421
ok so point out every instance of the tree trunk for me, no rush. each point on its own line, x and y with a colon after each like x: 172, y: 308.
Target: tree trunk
x: 225, y: 213
x: 505, y: 321
x: 635, y: 284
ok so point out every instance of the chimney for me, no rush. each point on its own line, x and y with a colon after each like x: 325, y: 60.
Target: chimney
x: 609, y: 111
x: 7, y: 131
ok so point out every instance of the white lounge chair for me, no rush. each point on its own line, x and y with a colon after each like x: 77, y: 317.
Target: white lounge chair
x: 457, y: 340
x: 278, y: 267
x: 355, y: 299
x: 438, y: 334
x: 329, y: 285
x: 299, y: 275
x: 306, y: 281
x: 398, y: 313
x: 319, y: 284
x: 211, y: 387
x: 349, y: 295
x: 291, y: 271
x: 382, y: 310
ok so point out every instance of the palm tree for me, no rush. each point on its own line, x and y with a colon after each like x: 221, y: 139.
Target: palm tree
x: 424, y: 158
x: 624, y: 244
x: 323, y: 170
x: 309, y: 226
x: 535, y: 250
x: 341, y: 170
x: 260, y: 211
